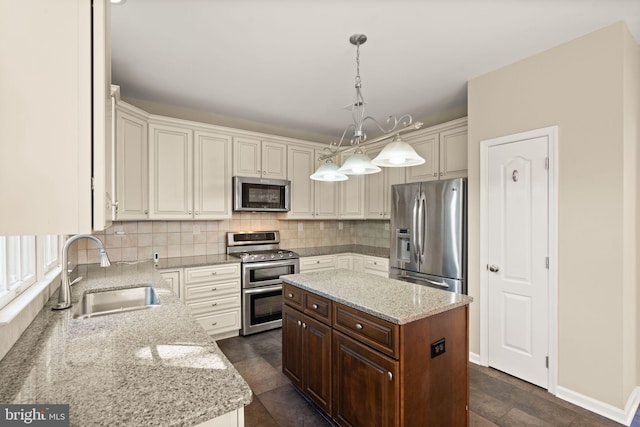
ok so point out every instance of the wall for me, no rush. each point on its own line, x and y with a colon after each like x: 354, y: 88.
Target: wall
x: 578, y: 86
x: 131, y: 240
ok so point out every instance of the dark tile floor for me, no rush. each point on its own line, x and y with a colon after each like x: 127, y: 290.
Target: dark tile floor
x: 496, y: 399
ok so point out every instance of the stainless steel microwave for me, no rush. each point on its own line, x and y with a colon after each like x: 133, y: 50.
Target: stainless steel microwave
x: 260, y: 195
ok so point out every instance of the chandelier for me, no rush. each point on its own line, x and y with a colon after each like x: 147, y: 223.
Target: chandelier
x: 395, y: 154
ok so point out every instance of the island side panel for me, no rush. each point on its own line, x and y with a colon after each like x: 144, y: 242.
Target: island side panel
x: 435, y: 390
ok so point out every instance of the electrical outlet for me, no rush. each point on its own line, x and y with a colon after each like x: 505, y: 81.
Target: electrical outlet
x: 300, y: 226
x: 438, y: 348
x: 196, y: 229
x: 340, y: 227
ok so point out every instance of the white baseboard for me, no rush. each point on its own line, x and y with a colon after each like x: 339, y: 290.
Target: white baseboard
x: 474, y: 358
x: 623, y: 416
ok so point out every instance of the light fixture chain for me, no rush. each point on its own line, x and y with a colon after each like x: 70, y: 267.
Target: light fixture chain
x: 358, y: 65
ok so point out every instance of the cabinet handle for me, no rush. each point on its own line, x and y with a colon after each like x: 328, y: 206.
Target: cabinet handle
x: 290, y: 295
x: 317, y: 262
x: 146, y: 211
x: 214, y: 289
x: 299, y: 323
x: 304, y: 325
x: 441, y: 173
x: 214, y: 323
x: 189, y: 212
x: 359, y: 326
x: 390, y: 375
x: 315, y: 306
x: 213, y: 273
x: 197, y: 213
x: 214, y: 304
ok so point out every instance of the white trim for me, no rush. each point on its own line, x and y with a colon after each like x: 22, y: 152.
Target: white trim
x: 18, y: 304
x: 623, y: 416
x: 475, y: 359
x: 552, y: 137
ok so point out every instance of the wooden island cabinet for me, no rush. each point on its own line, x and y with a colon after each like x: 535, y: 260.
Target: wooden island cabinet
x: 371, y: 351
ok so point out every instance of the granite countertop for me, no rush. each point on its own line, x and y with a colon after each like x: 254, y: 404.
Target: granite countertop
x: 392, y: 300
x: 196, y: 261
x: 145, y: 367
x: 342, y: 249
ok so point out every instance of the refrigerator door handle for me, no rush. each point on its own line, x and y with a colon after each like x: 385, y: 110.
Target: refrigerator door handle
x: 422, y: 222
x: 440, y: 284
x: 415, y: 246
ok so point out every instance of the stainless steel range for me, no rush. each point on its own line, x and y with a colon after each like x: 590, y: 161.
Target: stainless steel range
x: 263, y: 262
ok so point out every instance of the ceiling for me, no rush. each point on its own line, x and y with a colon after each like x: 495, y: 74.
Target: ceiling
x: 289, y: 63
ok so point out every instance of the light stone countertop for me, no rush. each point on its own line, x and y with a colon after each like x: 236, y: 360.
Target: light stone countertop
x: 139, y: 368
x: 343, y: 249
x: 196, y: 261
x: 392, y: 300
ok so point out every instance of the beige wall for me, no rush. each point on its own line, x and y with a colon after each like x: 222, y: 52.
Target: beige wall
x: 579, y: 87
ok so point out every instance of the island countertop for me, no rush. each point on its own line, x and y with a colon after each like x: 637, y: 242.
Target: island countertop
x: 145, y: 367
x: 389, y: 299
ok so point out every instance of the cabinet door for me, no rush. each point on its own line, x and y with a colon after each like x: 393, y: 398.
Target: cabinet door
x: 274, y: 160
x: 374, y: 190
x: 131, y: 166
x: 427, y: 146
x: 365, y: 385
x: 316, y: 356
x: 453, y: 153
x: 357, y: 262
x: 392, y: 176
x: 300, y: 167
x: 352, y: 196
x: 211, y: 175
x: 292, y: 344
x: 247, y: 157
x: 173, y: 279
x: 326, y: 200
x: 170, y: 171
x: 343, y: 261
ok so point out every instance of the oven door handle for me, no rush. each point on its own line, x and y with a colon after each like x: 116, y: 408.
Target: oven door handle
x: 262, y: 289
x: 267, y: 264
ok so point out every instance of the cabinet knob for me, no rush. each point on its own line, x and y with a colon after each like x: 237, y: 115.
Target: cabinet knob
x: 435, y: 174
x: 214, y: 323
x: 304, y: 325
x: 315, y: 306
x: 299, y: 323
x: 197, y: 213
x: 290, y: 295
x: 317, y: 262
x: 214, y: 304
x: 189, y: 212
x: 213, y: 273
x: 214, y: 289
x: 390, y: 375
x: 146, y: 211
x: 359, y: 326
x: 441, y: 173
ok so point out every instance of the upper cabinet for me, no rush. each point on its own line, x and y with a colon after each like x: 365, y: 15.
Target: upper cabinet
x: 259, y: 158
x: 351, y: 194
x: 48, y: 112
x: 377, y: 189
x: 444, y: 148
x: 132, y: 189
x: 189, y: 172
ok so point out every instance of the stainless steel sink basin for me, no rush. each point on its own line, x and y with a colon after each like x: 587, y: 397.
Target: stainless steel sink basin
x: 111, y: 301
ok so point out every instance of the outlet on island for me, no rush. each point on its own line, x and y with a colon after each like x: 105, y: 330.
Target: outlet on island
x: 438, y: 348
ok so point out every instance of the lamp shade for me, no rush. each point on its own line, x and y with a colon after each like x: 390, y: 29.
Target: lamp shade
x: 328, y: 172
x: 398, y: 154
x: 358, y: 164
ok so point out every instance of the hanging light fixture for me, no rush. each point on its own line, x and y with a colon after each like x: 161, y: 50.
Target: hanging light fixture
x: 396, y: 154
x: 328, y: 171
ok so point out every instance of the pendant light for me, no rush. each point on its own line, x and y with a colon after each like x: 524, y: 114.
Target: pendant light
x: 399, y: 154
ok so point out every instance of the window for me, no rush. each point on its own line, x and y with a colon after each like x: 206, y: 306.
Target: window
x: 25, y: 260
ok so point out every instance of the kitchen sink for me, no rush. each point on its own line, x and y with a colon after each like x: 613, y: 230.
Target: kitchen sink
x: 100, y: 303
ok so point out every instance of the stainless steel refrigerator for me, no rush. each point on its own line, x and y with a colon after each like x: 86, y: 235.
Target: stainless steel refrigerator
x: 429, y: 234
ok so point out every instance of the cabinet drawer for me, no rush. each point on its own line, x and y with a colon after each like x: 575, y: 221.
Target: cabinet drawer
x: 317, y: 307
x: 292, y: 296
x: 373, y: 331
x: 317, y: 263
x: 376, y: 264
x: 214, y: 305
x: 211, y: 273
x: 217, y: 323
x: 211, y: 290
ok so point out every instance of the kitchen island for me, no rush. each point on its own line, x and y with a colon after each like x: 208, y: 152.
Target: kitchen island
x: 146, y: 367
x: 374, y: 351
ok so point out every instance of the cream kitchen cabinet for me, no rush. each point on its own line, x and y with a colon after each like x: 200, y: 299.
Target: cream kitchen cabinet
x: 173, y: 278
x: 132, y: 177
x: 377, y: 187
x: 444, y: 148
x: 52, y: 57
x: 212, y: 294
x: 375, y: 265
x: 351, y: 195
x: 259, y: 158
x: 189, y: 172
x: 309, y: 199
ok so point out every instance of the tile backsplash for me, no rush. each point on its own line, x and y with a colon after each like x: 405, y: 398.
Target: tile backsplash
x: 139, y: 240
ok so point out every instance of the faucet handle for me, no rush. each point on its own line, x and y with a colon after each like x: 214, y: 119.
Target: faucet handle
x: 75, y: 281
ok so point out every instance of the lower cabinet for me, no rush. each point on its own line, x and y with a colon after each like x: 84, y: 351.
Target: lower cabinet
x: 212, y: 295
x: 364, y: 371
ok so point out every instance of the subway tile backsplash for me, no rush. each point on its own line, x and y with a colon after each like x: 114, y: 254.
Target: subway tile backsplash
x: 131, y: 240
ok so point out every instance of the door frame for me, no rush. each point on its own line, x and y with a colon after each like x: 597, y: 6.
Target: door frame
x: 551, y: 133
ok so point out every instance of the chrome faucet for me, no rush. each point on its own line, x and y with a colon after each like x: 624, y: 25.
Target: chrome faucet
x: 64, y: 296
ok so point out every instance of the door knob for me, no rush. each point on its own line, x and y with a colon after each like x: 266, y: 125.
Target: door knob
x: 493, y: 268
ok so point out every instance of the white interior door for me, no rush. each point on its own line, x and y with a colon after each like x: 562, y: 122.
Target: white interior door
x: 517, y: 259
